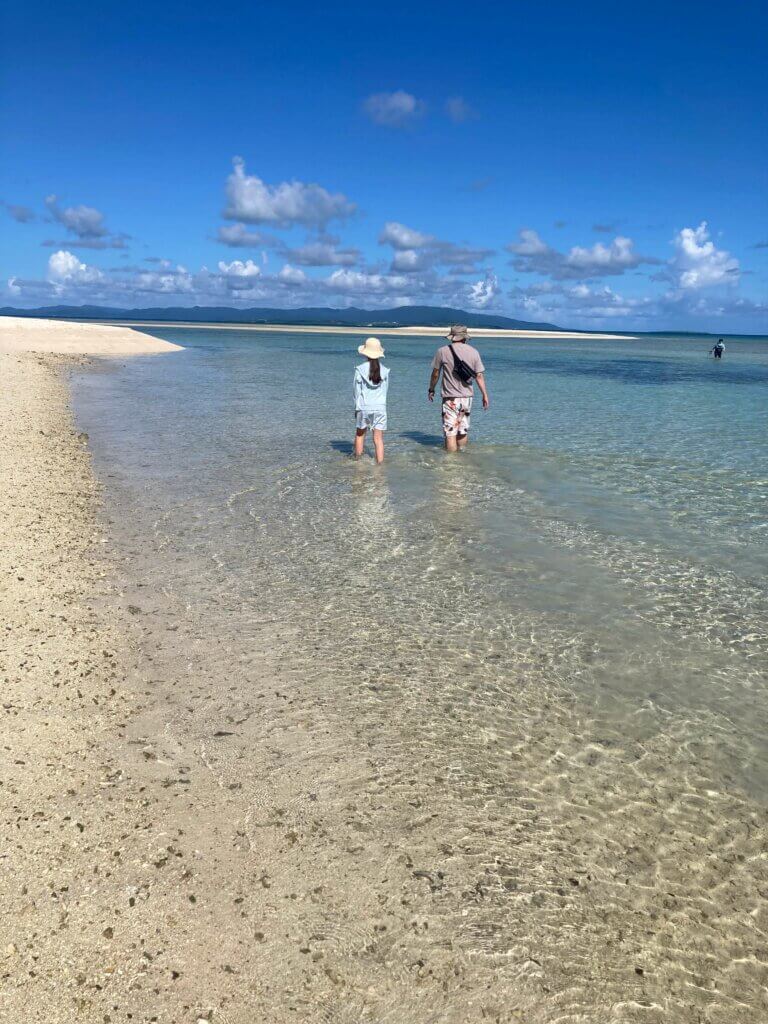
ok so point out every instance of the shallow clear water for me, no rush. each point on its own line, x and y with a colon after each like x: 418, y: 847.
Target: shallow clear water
x: 570, y: 618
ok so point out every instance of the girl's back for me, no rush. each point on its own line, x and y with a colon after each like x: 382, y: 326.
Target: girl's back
x: 369, y: 394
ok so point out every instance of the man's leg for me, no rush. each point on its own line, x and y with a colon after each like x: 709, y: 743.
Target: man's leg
x: 462, y: 423
x: 359, y: 441
x: 449, y: 424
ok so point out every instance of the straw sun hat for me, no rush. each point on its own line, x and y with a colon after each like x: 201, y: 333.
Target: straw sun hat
x: 372, y: 348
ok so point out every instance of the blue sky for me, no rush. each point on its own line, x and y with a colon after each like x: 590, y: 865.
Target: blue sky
x: 585, y: 164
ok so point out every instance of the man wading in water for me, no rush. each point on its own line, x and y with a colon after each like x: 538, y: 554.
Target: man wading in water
x: 461, y: 366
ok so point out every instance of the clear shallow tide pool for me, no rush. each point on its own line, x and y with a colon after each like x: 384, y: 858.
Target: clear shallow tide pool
x: 576, y: 607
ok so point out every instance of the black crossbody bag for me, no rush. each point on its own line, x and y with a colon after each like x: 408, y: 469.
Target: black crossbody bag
x: 463, y: 370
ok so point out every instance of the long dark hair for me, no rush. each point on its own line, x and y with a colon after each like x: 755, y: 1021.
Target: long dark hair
x: 374, y: 371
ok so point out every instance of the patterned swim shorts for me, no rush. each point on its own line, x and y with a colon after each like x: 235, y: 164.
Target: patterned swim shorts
x: 375, y: 420
x: 456, y: 416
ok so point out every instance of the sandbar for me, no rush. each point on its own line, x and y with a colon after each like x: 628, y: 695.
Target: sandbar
x: 29, y: 334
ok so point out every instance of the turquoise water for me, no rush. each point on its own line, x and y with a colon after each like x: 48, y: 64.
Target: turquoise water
x: 576, y: 608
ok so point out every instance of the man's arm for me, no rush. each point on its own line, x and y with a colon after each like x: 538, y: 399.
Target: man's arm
x: 433, y: 382
x: 483, y: 390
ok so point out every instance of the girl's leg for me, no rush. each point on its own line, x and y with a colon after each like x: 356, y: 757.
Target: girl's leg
x: 378, y: 444
x: 360, y: 441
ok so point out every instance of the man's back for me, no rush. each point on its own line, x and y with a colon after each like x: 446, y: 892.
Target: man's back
x: 452, y: 385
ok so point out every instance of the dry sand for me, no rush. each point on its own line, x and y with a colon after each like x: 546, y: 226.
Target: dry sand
x: 28, y: 334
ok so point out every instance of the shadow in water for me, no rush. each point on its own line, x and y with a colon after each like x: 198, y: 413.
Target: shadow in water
x: 342, y: 446
x: 428, y: 440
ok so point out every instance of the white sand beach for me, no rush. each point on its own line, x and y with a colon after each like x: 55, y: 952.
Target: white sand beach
x: 200, y: 834
x: 438, y: 332
x: 28, y: 334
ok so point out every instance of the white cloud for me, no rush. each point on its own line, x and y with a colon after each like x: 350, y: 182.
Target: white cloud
x: 238, y: 236
x: 484, y: 293
x: 611, y: 258
x: 238, y: 268
x: 459, y: 110
x: 401, y: 237
x: 530, y: 244
x: 409, y: 261
x: 393, y: 109
x: 698, y: 263
x: 83, y: 221
x: 13, y: 287
x: 292, y: 275
x: 417, y: 251
x: 251, y: 200
x: 531, y: 255
x: 86, y: 225
x: 173, y: 282
x: 65, y: 268
x: 323, y: 254
x: 357, y: 281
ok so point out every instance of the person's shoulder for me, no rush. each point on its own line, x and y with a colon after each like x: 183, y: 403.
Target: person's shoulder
x: 362, y: 368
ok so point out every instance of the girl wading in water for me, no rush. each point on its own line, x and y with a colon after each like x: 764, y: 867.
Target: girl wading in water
x: 370, y: 387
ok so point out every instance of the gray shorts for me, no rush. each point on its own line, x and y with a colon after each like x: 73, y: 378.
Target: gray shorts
x: 375, y: 420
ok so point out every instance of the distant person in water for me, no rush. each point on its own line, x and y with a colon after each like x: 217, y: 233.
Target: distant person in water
x: 718, y: 349
x: 370, y: 386
x: 460, y: 365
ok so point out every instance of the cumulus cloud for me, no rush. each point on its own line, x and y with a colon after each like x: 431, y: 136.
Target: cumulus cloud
x: 483, y: 294
x: 563, y: 304
x: 416, y: 251
x: 459, y: 110
x: 531, y: 255
x: 698, y: 263
x: 176, y: 281
x: 530, y: 244
x: 323, y: 254
x: 237, y: 236
x: 82, y: 221
x: 253, y: 201
x: 238, y: 268
x: 85, y: 225
x: 410, y: 261
x: 21, y: 214
x: 65, y: 268
x: 393, y: 109
x: 401, y: 237
x: 292, y: 275
x: 356, y: 281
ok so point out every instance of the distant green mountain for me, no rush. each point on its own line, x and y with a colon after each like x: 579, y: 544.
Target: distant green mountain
x: 402, y: 316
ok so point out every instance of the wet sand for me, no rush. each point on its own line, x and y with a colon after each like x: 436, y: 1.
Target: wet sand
x: 261, y: 844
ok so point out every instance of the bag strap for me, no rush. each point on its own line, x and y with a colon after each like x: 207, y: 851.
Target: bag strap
x: 459, y: 362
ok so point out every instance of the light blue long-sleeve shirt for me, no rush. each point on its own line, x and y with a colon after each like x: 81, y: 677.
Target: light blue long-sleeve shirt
x: 370, y: 397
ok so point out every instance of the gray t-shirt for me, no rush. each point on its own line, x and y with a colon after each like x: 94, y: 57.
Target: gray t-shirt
x: 453, y: 386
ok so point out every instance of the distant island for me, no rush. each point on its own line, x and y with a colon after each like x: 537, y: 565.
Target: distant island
x: 401, y: 316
